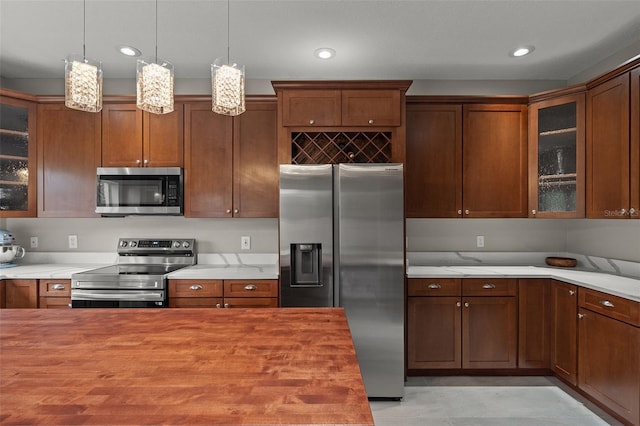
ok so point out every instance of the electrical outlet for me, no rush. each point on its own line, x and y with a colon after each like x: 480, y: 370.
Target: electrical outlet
x: 480, y: 241
x: 245, y: 243
x: 73, y: 241
x: 34, y: 242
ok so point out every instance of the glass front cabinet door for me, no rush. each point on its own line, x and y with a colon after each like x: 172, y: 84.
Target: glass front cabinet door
x: 17, y: 158
x: 557, y: 156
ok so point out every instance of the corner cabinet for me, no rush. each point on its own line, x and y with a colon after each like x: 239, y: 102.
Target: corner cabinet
x: 17, y: 155
x: 231, y: 167
x: 329, y: 122
x: 557, y: 156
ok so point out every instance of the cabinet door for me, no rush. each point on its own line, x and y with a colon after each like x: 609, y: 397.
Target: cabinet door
x: 163, y: 138
x: 208, y: 179
x: 608, y: 149
x: 121, y: 135
x: 533, y: 323
x: 311, y: 108
x: 609, y: 363
x: 564, y: 331
x: 494, y: 177
x: 433, y: 169
x: 21, y: 294
x: 17, y: 158
x: 255, y: 161
x: 489, y: 332
x: 556, y: 157
x: 433, y: 332
x: 68, y: 155
x: 634, y: 183
x: 371, y: 108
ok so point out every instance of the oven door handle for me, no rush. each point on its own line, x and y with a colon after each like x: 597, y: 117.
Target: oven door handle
x: 129, y: 296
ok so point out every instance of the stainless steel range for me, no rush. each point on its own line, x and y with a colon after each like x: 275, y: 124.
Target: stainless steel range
x: 138, y: 279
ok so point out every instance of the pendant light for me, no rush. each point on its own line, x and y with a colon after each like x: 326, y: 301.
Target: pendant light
x: 83, y: 77
x: 154, y: 82
x: 227, y: 83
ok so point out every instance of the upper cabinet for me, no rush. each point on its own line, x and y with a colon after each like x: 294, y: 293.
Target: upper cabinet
x: 17, y: 156
x: 328, y: 122
x: 557, y: 155
x: 466, y: 160
x: 135, y: 138
x: 612, y: 158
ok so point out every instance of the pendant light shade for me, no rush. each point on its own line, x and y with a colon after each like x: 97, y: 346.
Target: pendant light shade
x: 227, y: 83
x: 83, y: 77
x: 83, y: 83
x: 154, y: 82
x: 227, y: 88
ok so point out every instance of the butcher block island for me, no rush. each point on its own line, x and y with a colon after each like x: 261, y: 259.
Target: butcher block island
x: 180, y: 366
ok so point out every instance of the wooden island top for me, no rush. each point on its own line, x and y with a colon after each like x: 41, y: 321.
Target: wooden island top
x: 179, y: 366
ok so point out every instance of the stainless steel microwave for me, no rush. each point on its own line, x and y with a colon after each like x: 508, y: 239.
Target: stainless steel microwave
x: 124, y: 191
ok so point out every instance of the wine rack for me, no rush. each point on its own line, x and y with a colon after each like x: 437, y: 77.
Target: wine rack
x: 340, y: 147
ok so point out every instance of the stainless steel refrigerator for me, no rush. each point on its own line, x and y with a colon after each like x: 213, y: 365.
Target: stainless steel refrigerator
x: 342, y: 244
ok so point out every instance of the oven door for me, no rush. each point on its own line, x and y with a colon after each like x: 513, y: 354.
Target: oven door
x: 117, y: 299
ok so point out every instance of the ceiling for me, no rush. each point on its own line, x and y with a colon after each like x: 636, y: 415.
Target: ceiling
x: 387, y: 39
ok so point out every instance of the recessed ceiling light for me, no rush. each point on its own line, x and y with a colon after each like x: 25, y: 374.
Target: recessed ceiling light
x: 324, y: 53
x: 521, y: 51
x: 128, y: 50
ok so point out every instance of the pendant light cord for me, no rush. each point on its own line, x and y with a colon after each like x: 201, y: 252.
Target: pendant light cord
x: 84, y: 29
x: 156, y: 31
x: 228, y: 31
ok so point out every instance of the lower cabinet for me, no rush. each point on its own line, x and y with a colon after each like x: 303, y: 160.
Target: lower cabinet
x: 609, y: 352
x: 200, y: 293
x: 534, y: 315
x: 19, y: 294
x: 564, y: 331
x: 54, y: 294
x: 469, y: 323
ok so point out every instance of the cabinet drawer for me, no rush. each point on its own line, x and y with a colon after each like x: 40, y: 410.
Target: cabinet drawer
x: 434, y: 287
x: 250, y: 288
x: 55, y: 288
x: 489, y: 287
x: 195, y: 302
x: 195, y: 288
x: 250, y: 302
x: 612, y: 306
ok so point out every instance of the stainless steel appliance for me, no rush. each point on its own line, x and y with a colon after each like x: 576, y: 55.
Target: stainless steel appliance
x: 123, y: 191
x: 8, y: 250
x: 138, y: 279
x: 342, y: 244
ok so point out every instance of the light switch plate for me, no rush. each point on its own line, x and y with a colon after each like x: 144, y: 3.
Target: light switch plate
x: 73, y: 241
x: 480, y: 241
x: 34, y: 242
x: 245, y: 243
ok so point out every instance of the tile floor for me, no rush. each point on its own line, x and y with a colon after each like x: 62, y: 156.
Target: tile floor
x: 488, y: 401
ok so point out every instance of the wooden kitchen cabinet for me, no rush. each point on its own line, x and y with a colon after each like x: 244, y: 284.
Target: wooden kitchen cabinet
x: 612, y: 188
x: 69, y: 151
x: 231, y: 167
x: 634, y: 179
x: 557, y: 154
x: 564, y: 331
x: 534, y: 315
x: 135, y: 138
x: 311, y: 108
x: 54, y: 294
x: 466, y: 160
x: 371, y: 108
x: 20, y: 294
x: 200, y: 293
x: 17, y: 155
x: 250, y: 293
x: 475, y: 329
x: 195, y: 293
x: 609, y: 352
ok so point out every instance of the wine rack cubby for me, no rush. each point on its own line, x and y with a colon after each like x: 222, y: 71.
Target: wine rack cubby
x: 340, y: 147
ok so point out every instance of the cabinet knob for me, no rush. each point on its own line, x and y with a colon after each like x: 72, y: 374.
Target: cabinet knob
x: 146, y: 161
x: 57, y: 287
x: 371, y: 121
x: 633, y: 212
x: 228, y: 210
x: 235, y: 210
x: 572, y: 292
x: 458, y: 304
x: 466, y: 304
x: 607, y: 304
x: 533, y: 212
x: 488, y: 286
x: 196, y: 287
x: 459, y: 211
x: 138, y: 162
x: 623, y: 212
x: 434, y: 286
x: 312, y: 121
x: 250, y: 287
x: 226, y: 305
x: 466, y: 211
x: 218, y: 305
x: 580, y: 316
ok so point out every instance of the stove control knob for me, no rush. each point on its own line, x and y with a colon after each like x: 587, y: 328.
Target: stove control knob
x: 133, y: 243
x: 123, y: 244
x: 186, y: 244
x: 176, y: 244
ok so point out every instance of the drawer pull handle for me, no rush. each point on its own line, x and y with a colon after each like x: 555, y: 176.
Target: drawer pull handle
x: 488, y: 286
x: 607, y: 304
x: 434, y: 286
x: 57, y: 287
x: 250, y: 287
x: 196, y: 287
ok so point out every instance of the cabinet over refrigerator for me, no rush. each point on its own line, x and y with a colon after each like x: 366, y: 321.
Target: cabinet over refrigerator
x: 342, y: 244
